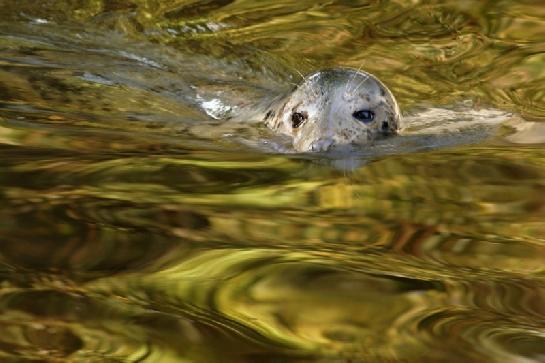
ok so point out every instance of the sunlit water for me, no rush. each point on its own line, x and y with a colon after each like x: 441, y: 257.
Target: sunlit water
x: 137, y: 225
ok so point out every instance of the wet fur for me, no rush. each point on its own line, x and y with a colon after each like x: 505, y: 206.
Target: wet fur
x: 329, y: 98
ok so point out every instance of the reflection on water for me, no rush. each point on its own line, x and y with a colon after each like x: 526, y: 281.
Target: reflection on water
x: 137, y: 227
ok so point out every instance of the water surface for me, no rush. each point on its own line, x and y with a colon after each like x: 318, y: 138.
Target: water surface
x: 137, y: 227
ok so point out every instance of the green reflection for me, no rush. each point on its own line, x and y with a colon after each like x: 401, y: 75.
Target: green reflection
x: 135, y: 227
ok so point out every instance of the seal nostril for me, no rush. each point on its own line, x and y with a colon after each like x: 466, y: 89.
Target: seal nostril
x: 385, y: 125
x: 321, y: 145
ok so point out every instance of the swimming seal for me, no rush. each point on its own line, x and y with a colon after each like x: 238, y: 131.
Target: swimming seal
x: 335, y: 109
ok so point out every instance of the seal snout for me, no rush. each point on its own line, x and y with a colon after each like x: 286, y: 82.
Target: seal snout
x: 321, y: 145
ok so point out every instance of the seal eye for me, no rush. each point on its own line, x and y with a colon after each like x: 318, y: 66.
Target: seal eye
x: 297, y: 119
x: 364, y: 115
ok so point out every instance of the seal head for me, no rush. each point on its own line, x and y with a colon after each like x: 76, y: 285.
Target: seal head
x: 336, y: 109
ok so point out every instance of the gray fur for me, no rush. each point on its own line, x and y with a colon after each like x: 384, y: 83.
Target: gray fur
x: 326, y: 101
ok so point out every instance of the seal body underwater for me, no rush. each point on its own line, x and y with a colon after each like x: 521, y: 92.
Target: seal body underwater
x: 335, y: 109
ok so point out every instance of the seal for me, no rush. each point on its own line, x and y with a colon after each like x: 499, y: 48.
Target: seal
x: 335, y: 109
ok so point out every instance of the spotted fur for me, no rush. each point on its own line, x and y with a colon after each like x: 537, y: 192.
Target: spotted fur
x: 330, y: 98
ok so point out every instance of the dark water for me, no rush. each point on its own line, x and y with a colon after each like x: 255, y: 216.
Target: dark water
x: 136, y: 228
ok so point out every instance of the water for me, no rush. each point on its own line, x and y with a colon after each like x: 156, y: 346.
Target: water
x: 136, y: 227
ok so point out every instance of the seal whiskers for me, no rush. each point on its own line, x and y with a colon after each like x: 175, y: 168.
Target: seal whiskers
x: 353, y: 76
x: 361, y: 83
